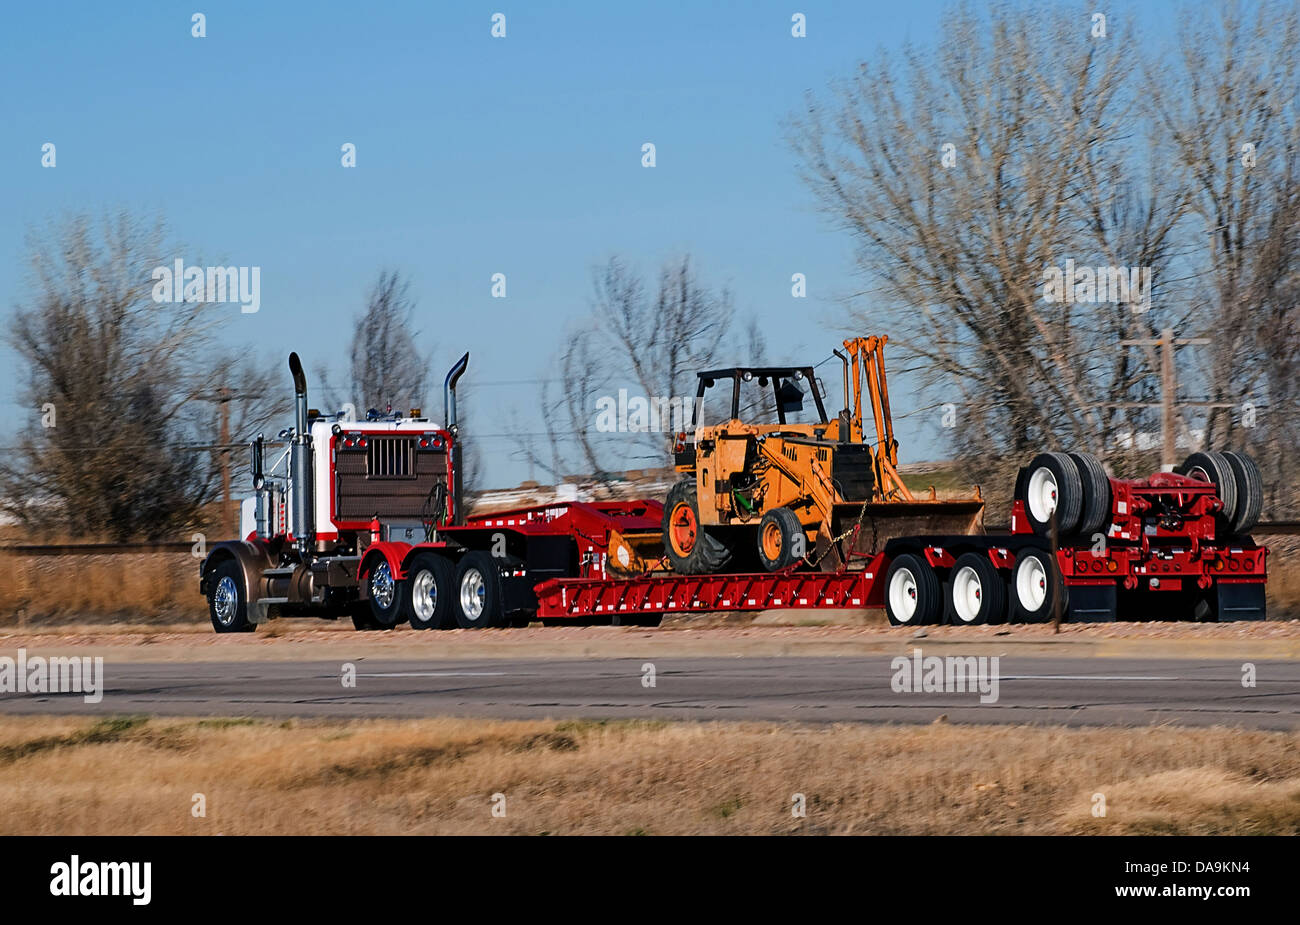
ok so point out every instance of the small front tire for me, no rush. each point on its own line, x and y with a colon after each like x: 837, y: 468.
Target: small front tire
x: 228, y: 600
x: 389, y: 603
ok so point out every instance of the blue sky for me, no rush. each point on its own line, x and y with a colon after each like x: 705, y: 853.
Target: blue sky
x: 475, y: 156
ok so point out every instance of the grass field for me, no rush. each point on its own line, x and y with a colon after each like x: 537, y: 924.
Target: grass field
x: 136, y: 776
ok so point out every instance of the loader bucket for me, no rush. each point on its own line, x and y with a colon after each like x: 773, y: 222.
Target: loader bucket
x: 883, y: 521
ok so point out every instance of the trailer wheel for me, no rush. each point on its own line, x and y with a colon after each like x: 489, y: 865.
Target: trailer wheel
x: 1215, y: 469
x: 432, y: 580
x: 389, y: 603
x: 1096, y: 494
x: 977, y: 593
x: 1036, y: 586
x: 1250, y: 492
x: 690, y: 549
x: 1052, y: 485
x: 479, y: 595
x: 913, y: 595
x: 780, y: 536
x: 228, y: 599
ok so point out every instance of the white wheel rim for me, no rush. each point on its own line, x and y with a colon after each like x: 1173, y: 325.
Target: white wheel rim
x: 424, y: 595
x: 1031, y: 584
x: 967, y: 594
x: 902, y: 595
x: 472, y: 594
x: 1041, y: 495
x: 382, y: 587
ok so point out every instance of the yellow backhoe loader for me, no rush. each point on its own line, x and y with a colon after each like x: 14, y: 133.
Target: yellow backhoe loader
x: 788, y: 486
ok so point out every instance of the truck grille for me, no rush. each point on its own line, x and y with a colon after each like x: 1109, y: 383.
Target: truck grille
x: 391, y: 458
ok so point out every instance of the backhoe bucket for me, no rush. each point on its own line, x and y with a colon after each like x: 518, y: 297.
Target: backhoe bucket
x: 883, y: 521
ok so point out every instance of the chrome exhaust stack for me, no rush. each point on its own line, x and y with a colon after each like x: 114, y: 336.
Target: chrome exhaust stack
x: 449, y: 417
x: 300, y: 464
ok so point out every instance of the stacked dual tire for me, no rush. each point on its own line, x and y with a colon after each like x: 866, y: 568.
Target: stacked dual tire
x: 1239, y: 485
x: 1071, y: 488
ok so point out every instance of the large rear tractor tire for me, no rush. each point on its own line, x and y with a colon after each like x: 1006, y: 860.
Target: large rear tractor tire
x: 690, y: 549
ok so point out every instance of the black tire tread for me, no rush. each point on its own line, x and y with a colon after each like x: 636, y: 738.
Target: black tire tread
x: 1096, y: 494
x: 710, y: 554
x: 1250, y: 492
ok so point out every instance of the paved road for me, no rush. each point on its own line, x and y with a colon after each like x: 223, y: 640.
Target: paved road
x: 1074, y: 691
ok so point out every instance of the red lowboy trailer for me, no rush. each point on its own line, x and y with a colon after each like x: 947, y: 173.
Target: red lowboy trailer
x: 367, y: 522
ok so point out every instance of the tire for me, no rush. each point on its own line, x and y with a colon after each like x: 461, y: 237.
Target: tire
x: 1215, y: 469
x: 1250, y: 492
x: 432, y: 582
x: 977, y: 593
x: 388, y: 598
x: 1095, y: 516
x: 480, y: 598
x: 690, y: 550
x: 779, y: 539
x: 1036, y: 587
x: 913, y: 594
x: 1050, y: 484
x: 228, y: 599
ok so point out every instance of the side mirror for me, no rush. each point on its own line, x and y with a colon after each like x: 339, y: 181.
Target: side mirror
x: 259, y: 479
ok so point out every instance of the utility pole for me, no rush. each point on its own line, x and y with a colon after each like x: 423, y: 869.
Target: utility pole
x: 1169, y: 416
x: 227, y: 520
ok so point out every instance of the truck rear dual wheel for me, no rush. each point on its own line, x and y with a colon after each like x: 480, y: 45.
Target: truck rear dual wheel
x: 432, y: 582
x: 480, y: 597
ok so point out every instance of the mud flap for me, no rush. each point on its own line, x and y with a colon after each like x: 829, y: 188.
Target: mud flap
x: 1240, y: 601
x: 1091, y: 604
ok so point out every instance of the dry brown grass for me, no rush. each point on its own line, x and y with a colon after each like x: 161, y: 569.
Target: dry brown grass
x: 140, y: 587
x: 83, y: 777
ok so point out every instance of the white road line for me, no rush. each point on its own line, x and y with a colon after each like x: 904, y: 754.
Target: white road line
x: 434, y: 674
x: 1082, y: 677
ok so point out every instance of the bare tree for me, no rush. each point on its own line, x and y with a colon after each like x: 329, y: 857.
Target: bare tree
x: 1227, y: 111
x: 648, y: 343
x: 387, y: 368
x: 967, y: 173
x: 122, y: 438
